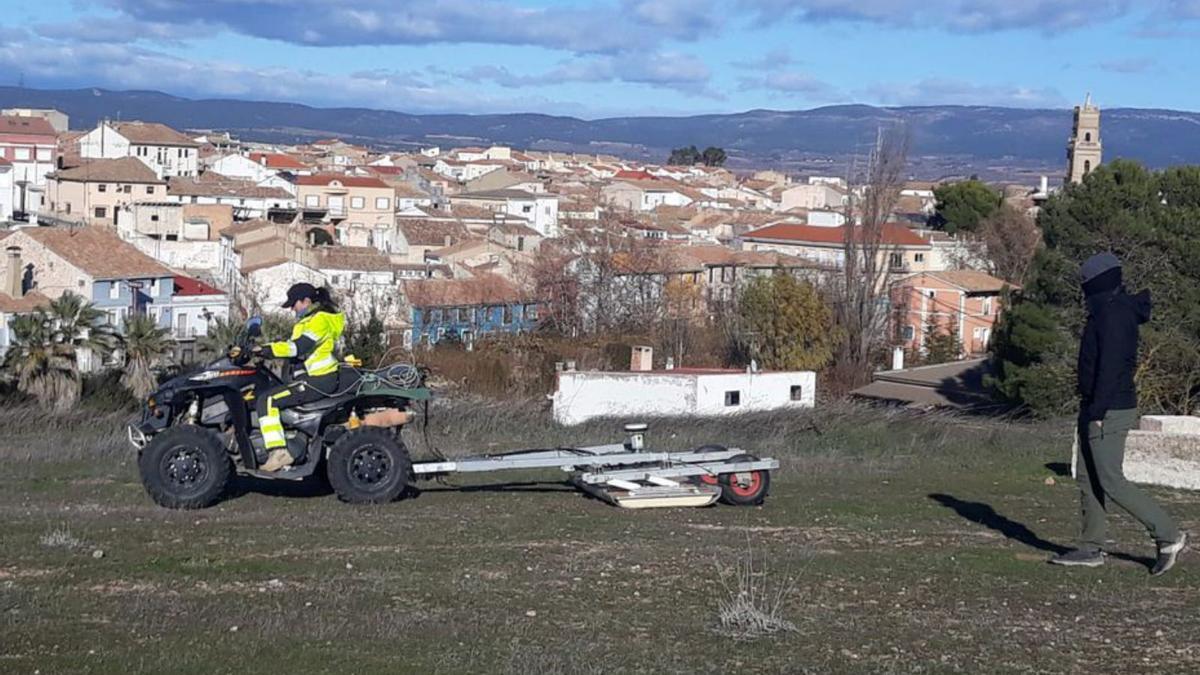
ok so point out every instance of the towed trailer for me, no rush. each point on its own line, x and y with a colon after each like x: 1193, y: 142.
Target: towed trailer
x: 631, y: 476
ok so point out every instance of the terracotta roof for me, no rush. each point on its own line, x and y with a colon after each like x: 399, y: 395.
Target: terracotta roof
x: 224, y: 187
x: 247, y: 226
x: 347, y: 181
x: 188, y: 287
x: 428, y: 232
x: 485, y: 289
x: 516, y: 229
x: 972, y: 281
x: 893, y: 235
x: 403, y: 189
x: 98, y: 252
x: 120, y: 170
x: 626, y: 174
x: 358, y: 258
x: 26, y: 303
x: 275, y: 160
x: 152, y: 133
x: 5, y: 162
x: 34, y: 126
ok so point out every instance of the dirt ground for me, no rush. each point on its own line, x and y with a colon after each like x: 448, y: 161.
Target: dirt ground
x: 892, y: 543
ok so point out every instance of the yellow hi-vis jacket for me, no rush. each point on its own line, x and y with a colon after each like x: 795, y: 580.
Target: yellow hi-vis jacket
x: 313, y: 339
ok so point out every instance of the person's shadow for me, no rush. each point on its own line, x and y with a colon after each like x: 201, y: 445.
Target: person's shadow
x: 984, y: 514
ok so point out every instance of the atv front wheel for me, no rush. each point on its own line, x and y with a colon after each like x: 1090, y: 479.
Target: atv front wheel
x: 185, y: 467
x: 369, y: 466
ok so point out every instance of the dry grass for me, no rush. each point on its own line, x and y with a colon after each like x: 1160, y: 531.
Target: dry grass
x: 755, y: 600
x: 60, y: 537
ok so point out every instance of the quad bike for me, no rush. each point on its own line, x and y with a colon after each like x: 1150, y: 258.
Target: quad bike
x: 198, y: 430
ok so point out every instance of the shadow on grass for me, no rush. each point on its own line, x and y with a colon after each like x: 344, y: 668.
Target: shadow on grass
x: 1060, y: 469
x: 522, y: 486
x: 984, y: 514
x: 313, y: 486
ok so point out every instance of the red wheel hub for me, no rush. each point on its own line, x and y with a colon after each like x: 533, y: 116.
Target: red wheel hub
x: 745, y: 484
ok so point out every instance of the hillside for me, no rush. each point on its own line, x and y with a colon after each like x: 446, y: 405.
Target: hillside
x: 967, y: 138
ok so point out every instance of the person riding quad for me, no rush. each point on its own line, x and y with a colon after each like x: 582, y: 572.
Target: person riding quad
x: 314, y: 367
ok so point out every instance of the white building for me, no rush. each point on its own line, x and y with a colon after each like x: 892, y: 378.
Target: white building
x: 582, y: 396
x: 58, y: 120
x: 540, y: 210
x: 645, y: 195
x: 166, y: 151
x: 6, y: 190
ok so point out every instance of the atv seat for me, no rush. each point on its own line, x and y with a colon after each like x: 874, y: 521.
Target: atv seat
x: 320, y: 406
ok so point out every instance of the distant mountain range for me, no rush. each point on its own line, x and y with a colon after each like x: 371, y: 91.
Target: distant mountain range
x: 944, y: 138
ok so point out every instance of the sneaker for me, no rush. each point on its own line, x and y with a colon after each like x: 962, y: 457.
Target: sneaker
x: 278, y: 460
x: 1168, y: 554
x: 1079, y: 558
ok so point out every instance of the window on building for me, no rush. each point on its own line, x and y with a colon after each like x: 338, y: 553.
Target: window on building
x: 531, y: 312
x: 181, y: 324
x: 103, y: 187
x: 312, y: 200
x: 435, y: 316
x: 154, y: 288
x: 908, y: 332
x: 21, y: 153
x: 1088, y: 137
x: 462, y: 315
x: 527, y: 208
x: 43, y: 154
x: 733, y: 398
x: 128, y: 189
x: 101, y: 212
x: 357, y: 202
x: 114, y: 290
x: 508, y: 315
x: 987, y: 306
x: 797, y: 393
x: 896, y: 260
x: 919, y: 257
x: 931, y: 294
x: 154, y: 219
x: 382, y: 203
x: 149, y: 189
x: 1087, y: 166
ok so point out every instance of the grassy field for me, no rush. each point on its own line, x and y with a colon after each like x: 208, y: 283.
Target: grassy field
x: 890, y: 543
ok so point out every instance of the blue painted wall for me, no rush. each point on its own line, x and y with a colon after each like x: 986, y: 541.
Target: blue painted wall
x: 162, y: 300
x: 480, y: 320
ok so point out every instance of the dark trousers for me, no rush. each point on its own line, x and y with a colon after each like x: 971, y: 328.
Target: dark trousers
x: 271, y: 401
x: 1101, y: 477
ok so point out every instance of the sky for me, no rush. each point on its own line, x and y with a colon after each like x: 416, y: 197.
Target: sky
x: 603, y: 58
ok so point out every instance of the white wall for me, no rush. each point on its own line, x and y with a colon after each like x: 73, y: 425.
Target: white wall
x: 7, y: 196
x: 586, y: 395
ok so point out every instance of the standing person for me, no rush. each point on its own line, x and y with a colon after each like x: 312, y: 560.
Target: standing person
x: 315, y: 375
x: 1108, y: 410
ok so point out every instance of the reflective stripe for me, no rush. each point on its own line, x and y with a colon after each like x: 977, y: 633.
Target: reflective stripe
x: 321, y: 366
x: 311, y: 335
x: 283, y: 349
x: 274, y: 439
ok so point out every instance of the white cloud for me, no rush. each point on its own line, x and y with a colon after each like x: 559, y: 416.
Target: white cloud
x: 671, y: 70
x: 940, y: 91
x: 601, y: 27
x: 954, y: 15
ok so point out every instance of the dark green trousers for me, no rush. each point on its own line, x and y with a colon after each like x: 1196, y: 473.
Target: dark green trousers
x: 1101, y: 477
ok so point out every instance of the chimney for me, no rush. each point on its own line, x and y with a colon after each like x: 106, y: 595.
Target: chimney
x: 641, y: 359
x: 13, y: 285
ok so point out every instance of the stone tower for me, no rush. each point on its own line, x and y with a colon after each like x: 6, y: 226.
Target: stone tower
x: 1083, y: 150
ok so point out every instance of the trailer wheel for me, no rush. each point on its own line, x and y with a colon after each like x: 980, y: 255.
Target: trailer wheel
x: 748, y: 488
x: 369, y: 466
x: 185, y: 467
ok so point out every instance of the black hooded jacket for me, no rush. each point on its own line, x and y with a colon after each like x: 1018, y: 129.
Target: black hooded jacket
x: 1108, y: 351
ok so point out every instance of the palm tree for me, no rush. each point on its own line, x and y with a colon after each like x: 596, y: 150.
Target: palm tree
x: 77, y: 322
x: 42, y: 367
x: 222, y: 334
x: 144, y: 345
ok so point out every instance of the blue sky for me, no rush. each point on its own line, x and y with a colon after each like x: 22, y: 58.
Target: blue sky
x: 597, y: 58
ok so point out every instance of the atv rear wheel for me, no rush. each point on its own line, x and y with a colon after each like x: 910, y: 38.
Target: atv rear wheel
x: 369, y: 466
x: 185, y: 467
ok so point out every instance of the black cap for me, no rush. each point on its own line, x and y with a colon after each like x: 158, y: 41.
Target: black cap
x: 299, y: 292
x: 1097, y: 265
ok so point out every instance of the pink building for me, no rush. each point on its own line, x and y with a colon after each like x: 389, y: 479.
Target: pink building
x: 30, y: 145
x: 964, y: 300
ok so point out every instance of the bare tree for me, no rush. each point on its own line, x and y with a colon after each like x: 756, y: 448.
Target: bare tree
x: 860, y: 291
x: 1010, y: 239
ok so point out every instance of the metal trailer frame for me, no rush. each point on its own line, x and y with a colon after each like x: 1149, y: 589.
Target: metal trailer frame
x: 625, y: 474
